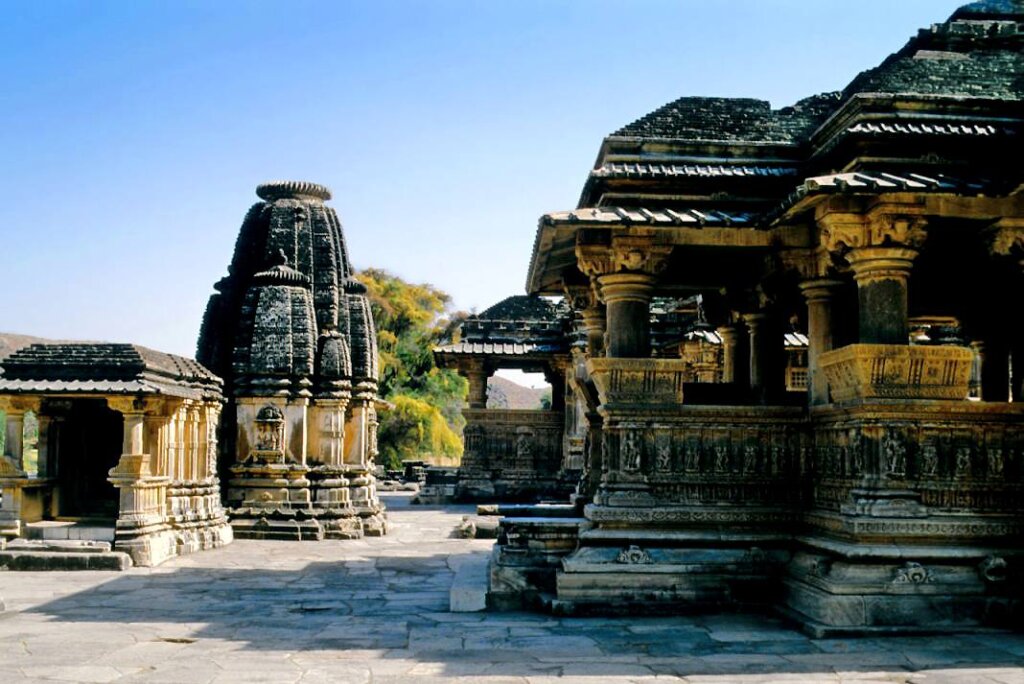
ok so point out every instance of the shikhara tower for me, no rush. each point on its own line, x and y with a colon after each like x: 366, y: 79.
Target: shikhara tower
x: 291, y: 332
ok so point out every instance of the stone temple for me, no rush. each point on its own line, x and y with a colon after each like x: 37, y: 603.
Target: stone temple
x: 872, y: 242
x: 291, y: 332
x: 136, y: 447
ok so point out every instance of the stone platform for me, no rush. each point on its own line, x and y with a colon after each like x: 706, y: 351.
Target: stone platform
x: 376, y: 610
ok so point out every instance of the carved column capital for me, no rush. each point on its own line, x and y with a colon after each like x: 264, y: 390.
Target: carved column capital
x: 883, y: 225
x: 1006, y: 238
x: 128, y: 405
x: 811, y: 263
x: 581, y: 297
x: 819, y: 289
x: 630, y: 254
x: 627, y: 287
x: 729, y: 335
x: 871, y: 264
x: 755, y: 320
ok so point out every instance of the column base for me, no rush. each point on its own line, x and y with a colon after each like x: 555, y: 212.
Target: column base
x: 147, y: 547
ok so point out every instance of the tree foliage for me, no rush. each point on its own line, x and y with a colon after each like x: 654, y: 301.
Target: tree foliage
x: 412, y: 319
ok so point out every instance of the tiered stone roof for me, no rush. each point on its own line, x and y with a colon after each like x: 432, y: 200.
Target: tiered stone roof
x: 104, y: 368
x: 732, y: 119
x: 941, y: 115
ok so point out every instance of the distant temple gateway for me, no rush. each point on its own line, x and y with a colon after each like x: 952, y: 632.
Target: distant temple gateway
x: 877, y: 232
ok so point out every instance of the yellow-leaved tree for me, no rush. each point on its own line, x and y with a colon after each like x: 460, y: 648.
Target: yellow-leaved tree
x: 426, y: 421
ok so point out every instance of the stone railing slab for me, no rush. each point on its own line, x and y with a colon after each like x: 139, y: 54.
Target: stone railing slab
x: 894, y: 371
x: 638, y: 381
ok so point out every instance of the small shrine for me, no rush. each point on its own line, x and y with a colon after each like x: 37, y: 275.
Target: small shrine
x: 516, y: 454
x: 127, y: 449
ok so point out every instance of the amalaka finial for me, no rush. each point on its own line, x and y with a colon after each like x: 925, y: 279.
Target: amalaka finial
x: 276, y: 190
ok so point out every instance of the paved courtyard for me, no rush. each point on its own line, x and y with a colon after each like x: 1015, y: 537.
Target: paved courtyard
x: 376, y: 611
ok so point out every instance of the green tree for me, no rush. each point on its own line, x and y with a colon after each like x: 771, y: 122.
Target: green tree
x: 427, y: 419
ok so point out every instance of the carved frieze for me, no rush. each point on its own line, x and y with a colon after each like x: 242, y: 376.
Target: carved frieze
x: 624, y: 254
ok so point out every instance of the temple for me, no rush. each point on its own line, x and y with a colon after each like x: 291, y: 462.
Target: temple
x: 291, y: 332
x: 812, y: 445
x: 127, y: 450
x: 516, y: 454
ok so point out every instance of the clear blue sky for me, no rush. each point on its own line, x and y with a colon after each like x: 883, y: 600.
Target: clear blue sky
x: 134, y: 133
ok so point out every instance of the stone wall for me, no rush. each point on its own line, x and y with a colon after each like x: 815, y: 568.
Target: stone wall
x: 511, y: 454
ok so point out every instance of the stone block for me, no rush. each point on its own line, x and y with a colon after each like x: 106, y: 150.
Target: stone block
x: 62, y: 560
x: 468, y: 593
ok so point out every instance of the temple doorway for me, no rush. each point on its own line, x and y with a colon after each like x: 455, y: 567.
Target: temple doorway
x: 88, y: 444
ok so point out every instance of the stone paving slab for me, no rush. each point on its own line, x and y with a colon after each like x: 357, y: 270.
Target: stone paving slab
x: 373, y: 611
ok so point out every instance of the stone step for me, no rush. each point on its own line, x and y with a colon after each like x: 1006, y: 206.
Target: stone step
x: 86, y: 530
x: 540, y: 510
x: 63, y: 560
x: 59, y: 545
x: 468, y: 593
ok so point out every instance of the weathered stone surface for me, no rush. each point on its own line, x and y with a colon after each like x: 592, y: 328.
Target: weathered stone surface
x: 191, y: 620
x: 469, y: 586
x: 291, y: 332
x: 127, y: 448
x: 63, y: 560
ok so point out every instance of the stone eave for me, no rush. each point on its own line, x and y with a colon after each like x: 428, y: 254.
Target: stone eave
x: 497, y: 355
x: 685, y: 152
x: 938, y: 203
x: 553, y: 262
x: 909, y: 107
x: 99, y: 388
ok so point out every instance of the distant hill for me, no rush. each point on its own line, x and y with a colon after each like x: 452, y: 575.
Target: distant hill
x: 11, y: 342
x: 502, y: 393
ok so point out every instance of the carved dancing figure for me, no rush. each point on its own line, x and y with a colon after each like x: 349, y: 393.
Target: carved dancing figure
x: 630, y: 450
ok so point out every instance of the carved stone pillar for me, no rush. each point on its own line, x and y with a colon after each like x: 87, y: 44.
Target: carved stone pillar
x: 14, y: 447
x: 556, y: 378
x: 625, y: 270
x: 477, y: 373
x: 880, y: 246
x: 628, y: 298
x: 882, y: 274
x: 759, y: 353
x: 1006, y: 244
x: 595, y: 324
x: 729, y: 337
x: 994, y: 362
x: 141, y: 529
x: 818, y: 293
x: 331, y: 424
x: 44, y: 448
